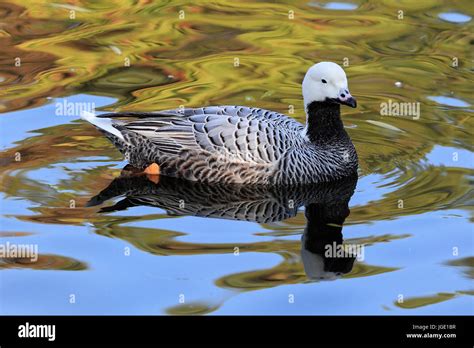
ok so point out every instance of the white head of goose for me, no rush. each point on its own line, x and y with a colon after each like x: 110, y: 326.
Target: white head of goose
x: 243, y: 145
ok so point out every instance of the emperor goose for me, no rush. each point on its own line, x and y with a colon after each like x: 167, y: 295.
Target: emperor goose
x: 239, y: 144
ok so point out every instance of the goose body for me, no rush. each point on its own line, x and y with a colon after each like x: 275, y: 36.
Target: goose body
x: 244, y: 145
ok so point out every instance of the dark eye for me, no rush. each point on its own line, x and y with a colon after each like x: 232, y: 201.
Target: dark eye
x: 324, y: 81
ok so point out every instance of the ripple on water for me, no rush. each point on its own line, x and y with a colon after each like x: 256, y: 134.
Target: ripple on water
x: 449, y: 101
x: 454, y: 17
x: 44, y: 262
x: 346, y: 6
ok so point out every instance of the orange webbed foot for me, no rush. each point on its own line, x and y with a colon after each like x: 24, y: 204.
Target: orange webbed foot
x: 152, y: 169
x: 153, y: 172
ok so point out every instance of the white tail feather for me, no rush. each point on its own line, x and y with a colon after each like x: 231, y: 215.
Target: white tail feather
x: 102, y: 123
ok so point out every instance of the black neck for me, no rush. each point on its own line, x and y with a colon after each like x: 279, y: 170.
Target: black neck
x: 324, y: 122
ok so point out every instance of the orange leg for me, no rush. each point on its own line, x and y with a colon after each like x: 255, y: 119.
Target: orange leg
x: 152, y: 169
x: 153, y: 172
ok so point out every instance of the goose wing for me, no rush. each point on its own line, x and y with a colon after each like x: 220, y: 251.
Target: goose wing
x: 248, y: 134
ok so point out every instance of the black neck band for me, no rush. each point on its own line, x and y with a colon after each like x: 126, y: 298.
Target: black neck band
x: 324, y: 122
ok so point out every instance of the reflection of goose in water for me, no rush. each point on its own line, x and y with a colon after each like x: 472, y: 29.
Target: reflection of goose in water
x: 326, y: 208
